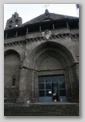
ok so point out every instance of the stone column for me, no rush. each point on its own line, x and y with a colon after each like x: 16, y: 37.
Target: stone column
x: 68, y: 84
x: 23, y: 86
x: 31, y: 83
x: 76, y: 82
x: 76, y: 69
x: 73, y: 78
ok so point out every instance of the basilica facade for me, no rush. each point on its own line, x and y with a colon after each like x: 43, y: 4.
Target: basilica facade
x: 41, y: 59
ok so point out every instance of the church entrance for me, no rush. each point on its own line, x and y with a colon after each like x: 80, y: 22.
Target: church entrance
x: 52, y: 88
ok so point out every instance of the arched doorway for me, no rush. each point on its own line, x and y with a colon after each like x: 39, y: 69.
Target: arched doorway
x: 11, y: 75
x: 51, y: 82
x: 53, y: 72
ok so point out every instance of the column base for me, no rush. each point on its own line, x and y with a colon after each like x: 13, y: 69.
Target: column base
x: 23, y: 100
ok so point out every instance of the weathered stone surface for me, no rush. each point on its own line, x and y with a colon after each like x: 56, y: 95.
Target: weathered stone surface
x: 31, y: 55
x: 53, y: 109
x: 14, y: 21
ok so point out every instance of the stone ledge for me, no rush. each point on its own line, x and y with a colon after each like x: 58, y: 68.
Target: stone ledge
x: 42, y: 110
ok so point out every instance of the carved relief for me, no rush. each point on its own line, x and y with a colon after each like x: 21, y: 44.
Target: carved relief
x: 46, y: 34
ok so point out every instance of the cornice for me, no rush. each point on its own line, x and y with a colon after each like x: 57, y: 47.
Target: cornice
x: 23, y: 40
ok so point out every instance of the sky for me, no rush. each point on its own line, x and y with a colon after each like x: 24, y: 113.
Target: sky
x: 30, y: 11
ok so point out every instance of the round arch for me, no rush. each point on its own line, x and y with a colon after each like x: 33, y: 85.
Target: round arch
x: 11, y: 74
x: 11, y: 51
x: 53, y: 49
x: 49, y: 59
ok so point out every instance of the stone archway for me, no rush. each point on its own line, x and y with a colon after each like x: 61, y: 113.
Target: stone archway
x: 50, y: 48
x: 49, y: 59
x: 11, y: 75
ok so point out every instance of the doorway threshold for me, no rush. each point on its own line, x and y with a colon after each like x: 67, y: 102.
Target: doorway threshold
x: 54, y: 103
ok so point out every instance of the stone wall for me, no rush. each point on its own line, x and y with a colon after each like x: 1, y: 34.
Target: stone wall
x: 11, y: 75
x: 36, y: 54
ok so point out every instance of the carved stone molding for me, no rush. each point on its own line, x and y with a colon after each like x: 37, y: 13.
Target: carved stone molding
x: 46, y: 34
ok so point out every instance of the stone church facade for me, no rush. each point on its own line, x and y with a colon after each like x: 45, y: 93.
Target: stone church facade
x: 41, y: 59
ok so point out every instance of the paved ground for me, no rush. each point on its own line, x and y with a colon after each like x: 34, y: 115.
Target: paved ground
x: 42, y: 109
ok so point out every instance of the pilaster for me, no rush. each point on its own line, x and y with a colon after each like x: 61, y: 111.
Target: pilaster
x: 23, y: 86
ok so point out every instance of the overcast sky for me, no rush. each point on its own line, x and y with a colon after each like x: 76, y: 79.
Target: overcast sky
x: 29, y: 11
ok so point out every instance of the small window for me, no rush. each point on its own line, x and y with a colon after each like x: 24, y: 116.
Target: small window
x: 41, y: 86
x: 62, y: 85
x: 10, y: 21
x: 14, y: 16
x: 16, y: 20
x: 62, y: 92
x: 41, y: 93
x: 10, y: 26
x: 48, y: 86
x: 13, y: 81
